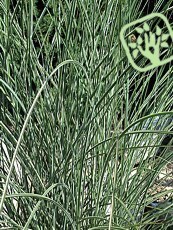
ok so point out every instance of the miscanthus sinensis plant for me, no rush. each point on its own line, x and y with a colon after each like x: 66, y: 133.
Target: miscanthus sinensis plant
x: 76, y: 118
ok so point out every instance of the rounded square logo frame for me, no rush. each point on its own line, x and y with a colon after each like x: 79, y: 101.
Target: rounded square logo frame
x: 127, y: 50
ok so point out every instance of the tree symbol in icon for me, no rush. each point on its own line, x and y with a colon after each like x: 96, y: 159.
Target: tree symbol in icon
x: 149, y: 43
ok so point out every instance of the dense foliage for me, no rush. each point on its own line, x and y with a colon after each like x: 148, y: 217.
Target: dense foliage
x: 80, y: 128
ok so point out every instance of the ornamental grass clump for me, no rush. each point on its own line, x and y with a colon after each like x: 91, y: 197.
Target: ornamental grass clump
x: 80, y: 128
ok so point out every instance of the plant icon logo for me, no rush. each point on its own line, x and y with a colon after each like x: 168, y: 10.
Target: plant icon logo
x: 149, y: 40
